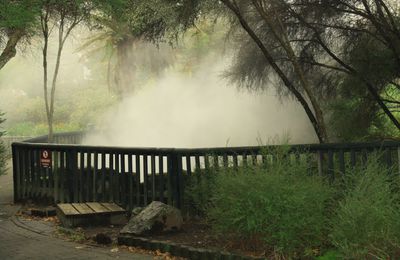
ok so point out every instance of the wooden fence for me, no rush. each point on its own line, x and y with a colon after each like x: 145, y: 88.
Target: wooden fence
x: 136, y: 176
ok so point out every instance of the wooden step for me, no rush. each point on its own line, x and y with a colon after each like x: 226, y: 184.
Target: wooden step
x: 90, y: 213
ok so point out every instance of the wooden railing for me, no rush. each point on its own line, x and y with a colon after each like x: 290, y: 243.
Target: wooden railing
x: 136, y: 176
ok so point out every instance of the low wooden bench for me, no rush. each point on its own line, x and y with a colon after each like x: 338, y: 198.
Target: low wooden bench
x: 90, y: 213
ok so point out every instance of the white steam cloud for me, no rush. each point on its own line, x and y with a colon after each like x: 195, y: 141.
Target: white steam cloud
x: 201, y: 110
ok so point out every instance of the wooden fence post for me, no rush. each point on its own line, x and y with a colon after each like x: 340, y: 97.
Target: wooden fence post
x: 15, y: 173
x: 175, y: 177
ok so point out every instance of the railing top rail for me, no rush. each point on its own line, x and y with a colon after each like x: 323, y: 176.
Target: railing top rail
x: 43, y: 138
x: 216, y: 150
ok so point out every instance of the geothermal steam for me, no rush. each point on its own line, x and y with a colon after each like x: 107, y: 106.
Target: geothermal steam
x: 201, y: 110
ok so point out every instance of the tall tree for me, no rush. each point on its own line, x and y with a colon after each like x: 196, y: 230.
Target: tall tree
x: 65, y: 15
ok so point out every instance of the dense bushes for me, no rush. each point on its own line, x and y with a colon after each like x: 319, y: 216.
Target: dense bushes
x: 279, y: 204
x: 366, y: 223
x: 292, y: 212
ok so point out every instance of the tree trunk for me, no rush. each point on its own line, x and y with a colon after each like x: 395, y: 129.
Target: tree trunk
x: 10, y: 50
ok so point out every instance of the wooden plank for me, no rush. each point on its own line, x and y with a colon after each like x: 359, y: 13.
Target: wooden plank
x: 112, y: 207
x: 67, y: 209
x: 97, y: 207
x: 82, y: 208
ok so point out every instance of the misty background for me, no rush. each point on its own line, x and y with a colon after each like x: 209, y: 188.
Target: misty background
x: 186, y: 103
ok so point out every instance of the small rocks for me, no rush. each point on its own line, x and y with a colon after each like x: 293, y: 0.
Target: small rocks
x: 102, y: 238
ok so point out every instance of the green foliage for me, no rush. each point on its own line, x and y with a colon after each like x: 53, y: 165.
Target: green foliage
x: 19, y: 14
x: 280, y: 204
x: 355, y: 116
x: 366, y: 224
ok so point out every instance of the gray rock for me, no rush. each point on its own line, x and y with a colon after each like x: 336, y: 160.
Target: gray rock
x: 154, y: 219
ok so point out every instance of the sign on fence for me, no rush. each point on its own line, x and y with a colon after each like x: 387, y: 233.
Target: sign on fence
x: 45, y: 159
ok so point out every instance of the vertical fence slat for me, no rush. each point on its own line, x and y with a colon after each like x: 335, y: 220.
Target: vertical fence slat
x: 130, y: 181
x: 137, y: 179
x: 62, y: 177
x: 83, y: 191
x: 342, y: 165
x: 111, y: 178
x: 161, y: 177
x: 188, y: 165
x: 353, y: 157
x: 331, y: 171
x: 87, y: 186
x: 16, y: 173
x: 117, y: 175
x: 123, y: 182
x: 103, y: 177
x: 180, y: 180
x: 197, y: 160
x: 207, y: 162
x: 56, y: 176
x: 145, y: 179
x: 320, y: 160
x: 153, y: 177
x: 95, y: 176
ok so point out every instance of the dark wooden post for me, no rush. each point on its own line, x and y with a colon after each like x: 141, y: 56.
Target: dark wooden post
x: 72, y: 175
x: 15, y: 172
x: 175, y: 177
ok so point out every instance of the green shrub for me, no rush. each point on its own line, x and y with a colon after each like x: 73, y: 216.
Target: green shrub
x: 280, y: 204
x: 366, y: 224
x: 198, y: 190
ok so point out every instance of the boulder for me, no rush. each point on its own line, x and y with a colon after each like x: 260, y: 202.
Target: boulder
x: 156, y: 218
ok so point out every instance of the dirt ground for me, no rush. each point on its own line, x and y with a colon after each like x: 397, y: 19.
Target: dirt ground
x: 195, y: 233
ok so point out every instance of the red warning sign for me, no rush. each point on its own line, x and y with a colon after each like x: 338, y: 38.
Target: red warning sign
x: 45, y: 158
